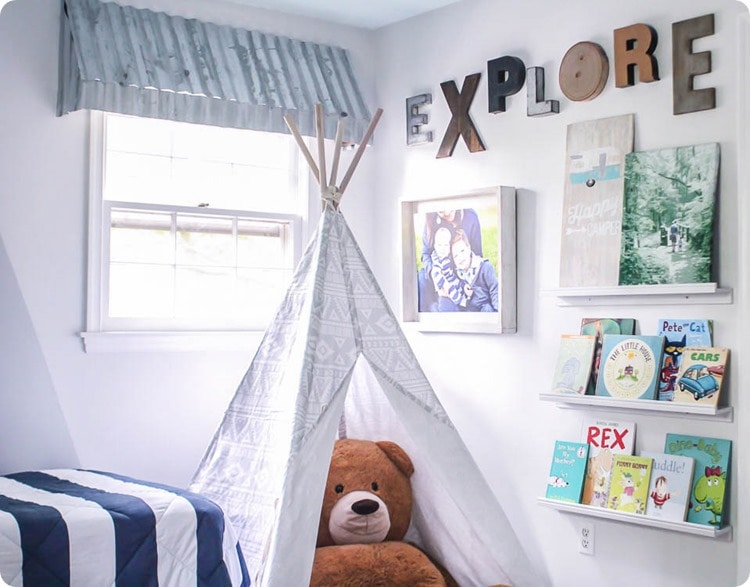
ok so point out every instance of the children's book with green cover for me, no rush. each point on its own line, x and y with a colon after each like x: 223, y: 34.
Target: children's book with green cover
x: 574, y: 360
x: 628, y: 489
x: 565, y: 481
x: 670, y: 486
x: 709, y: 498
x: 679, y: 333
x: 630, y: 366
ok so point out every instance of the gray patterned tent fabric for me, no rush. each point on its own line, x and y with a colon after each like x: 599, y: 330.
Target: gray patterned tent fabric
x: 335, y: 348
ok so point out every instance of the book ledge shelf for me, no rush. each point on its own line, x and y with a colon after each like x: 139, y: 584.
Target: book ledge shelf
x: 724, y: 533
x: 639, y: 295
x: 643, y: 406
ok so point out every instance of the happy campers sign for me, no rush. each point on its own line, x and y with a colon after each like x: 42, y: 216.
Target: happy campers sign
x: 583, y: 73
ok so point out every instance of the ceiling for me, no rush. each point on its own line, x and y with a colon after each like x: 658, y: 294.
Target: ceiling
x: 369, y: 14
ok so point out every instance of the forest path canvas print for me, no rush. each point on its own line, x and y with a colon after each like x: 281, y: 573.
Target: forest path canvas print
x: 668, y: 218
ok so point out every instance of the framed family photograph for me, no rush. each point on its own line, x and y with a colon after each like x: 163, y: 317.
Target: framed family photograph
x: 459, y: 261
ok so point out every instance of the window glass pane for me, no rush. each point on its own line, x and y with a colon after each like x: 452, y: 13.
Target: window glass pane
x: 205, y: 291
x: 259, y: 250
x: 134, y: 177
x: 211, y: 264
x: 197, y: 182
x: 262, y: 188
x: 205, y: 241
x: 261, y: 290
x: 141, y: 237
x: 139, y: 135
x: 139, y: 291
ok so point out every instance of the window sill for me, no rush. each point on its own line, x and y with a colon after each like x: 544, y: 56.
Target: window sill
x: 124, y: 341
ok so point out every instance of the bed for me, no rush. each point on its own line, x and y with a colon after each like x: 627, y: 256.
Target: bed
x: 82, y: 528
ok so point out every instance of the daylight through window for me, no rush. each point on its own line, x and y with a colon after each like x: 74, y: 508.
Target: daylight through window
x: 199, y: 225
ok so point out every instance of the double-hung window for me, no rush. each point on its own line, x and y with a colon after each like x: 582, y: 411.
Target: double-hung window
x: 192, y: 227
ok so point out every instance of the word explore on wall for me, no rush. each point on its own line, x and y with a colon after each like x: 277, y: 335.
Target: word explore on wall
x: 583, y: 73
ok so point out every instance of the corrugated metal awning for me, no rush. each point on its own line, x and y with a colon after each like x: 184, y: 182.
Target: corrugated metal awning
x: 145, y: 63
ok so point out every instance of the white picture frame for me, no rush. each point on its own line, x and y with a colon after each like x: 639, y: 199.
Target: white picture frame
x: 488, y: 214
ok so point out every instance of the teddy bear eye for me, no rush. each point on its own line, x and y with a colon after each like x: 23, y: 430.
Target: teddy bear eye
x: 374, y: 486
x: 339, y: 488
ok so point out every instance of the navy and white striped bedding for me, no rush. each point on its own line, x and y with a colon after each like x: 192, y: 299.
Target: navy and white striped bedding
x: 65, y: 527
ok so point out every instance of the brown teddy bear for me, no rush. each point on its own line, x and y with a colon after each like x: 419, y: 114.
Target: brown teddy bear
x: 365, y: 515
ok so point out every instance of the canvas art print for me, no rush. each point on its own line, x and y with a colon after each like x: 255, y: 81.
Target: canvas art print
x: 668, y: 219
x: 592, y: 203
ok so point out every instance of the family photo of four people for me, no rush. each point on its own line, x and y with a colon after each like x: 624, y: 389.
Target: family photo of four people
x: 455, y: 277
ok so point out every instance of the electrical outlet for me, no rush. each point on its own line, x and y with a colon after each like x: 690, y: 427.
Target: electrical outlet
x: 586, y: 538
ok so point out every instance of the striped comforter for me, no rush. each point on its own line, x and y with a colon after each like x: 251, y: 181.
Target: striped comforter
x: 88, y: 529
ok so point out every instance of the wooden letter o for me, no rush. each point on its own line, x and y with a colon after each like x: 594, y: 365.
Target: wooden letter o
x: 584, y: 71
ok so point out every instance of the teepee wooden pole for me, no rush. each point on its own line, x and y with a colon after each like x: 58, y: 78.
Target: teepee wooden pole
x: 321, y: 148
x: 337, y: 149
x: 360, y: 150
x: 302, y: 146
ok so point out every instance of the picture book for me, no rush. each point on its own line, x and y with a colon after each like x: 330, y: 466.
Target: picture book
x: 628, y: 490
x: 678, y: 334
x: 669, y: 489
x: 599, y: 327
x: 574, y: 361
x: 701, y: 375
x: 630, y: 366
x: 605, y: 438
x: 565, y: 481
x: 709, y: 498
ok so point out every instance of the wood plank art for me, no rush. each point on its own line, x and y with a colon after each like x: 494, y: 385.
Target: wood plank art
x: 592, y: 204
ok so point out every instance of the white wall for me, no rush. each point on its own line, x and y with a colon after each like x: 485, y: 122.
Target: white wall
x: 489, y: 384
x: 152, y: 414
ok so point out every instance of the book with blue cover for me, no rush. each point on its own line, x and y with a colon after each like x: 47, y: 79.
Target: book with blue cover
x: 678, y: 334
x: 709, y: 498
x: 701, y: 375
x: 565, y: 481
x: 630, y: 366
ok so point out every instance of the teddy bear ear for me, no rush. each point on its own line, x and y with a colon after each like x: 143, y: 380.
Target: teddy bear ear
x: 398, y: 456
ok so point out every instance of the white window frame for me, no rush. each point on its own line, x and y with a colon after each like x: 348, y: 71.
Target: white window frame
x: 98, y: 336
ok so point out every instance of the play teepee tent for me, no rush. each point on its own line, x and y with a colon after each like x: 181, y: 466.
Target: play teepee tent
x: 335, y: 359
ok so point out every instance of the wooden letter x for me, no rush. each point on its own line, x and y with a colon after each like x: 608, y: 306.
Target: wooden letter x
x: 460, y: 123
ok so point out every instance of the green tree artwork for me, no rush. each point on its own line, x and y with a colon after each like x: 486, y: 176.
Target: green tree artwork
x: 668, y: 216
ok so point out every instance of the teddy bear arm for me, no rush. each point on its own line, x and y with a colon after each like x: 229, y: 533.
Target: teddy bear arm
x: 395, y: 564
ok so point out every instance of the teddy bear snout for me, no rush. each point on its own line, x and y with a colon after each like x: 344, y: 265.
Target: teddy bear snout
x: 365, y: 507
x: 359, y: 517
